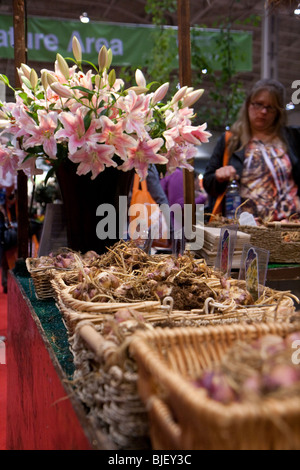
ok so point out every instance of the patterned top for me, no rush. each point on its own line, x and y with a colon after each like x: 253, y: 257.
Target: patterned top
x: 268, y: 182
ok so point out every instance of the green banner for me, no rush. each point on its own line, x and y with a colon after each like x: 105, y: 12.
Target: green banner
x: 129, y: 43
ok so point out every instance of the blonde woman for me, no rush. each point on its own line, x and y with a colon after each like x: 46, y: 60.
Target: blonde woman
x: 264, y: 156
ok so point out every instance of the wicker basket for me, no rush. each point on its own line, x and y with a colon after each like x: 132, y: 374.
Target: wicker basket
x: 273, y: 306
x: 105, y: 380
x: 164, y: 316
x: 281, y: 240
x: 184, y: 418
x: 103, y: 307
x: 42, y: 277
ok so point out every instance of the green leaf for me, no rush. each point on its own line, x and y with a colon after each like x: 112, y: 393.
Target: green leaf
x: 4, y: 79
x: 87, y: 120
x: 89, y: 93
x: 82, y: 88
x: 90, y: 63
x: 71, y: 59
x: 155, y: 83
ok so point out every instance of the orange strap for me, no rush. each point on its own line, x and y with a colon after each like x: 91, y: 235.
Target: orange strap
x: 140, y: 188
x: 8, y: 214
x: 218, y: 204
x: 226, y: 151
x: 136, y: 182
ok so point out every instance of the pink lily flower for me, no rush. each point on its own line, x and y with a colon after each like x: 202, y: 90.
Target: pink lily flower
x: 142, y: 155
x: 84, y: 80
x: 195, y: 135
x: 136, y: 113
x: 178, y: 117
x: 171, y: 135
x: 20, y: 122
x: 43, y: 133
x: 113, y: 134
x: 9, y: 159
x: 74, y: 129
x: 17, y: 116
x: 178, y: 157
x: 29, y: 167
x: 93, y: 157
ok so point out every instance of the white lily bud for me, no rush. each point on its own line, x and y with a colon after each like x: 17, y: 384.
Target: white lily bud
x: 140, y: 79
x: 20, y: 73
x: 76, y: 47
x: 160, y: 93
x: 192, y: 97
x: 26, y: 70
x: 138, y: 89
x: 102, y: 58
x: 61, y: 90
x: 44, y: 80
x: 25, y: 81
x: 33, y: 78
x: 63, y: 66
x: 50, y: 78
x: 179, y: 94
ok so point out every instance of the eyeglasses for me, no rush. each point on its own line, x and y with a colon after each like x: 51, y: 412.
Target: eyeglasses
x: 260, y: 107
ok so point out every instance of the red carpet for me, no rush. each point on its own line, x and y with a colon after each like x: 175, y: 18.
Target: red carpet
x: 3, y: 329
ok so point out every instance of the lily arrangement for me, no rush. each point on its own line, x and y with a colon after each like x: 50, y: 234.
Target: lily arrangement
x: 90, y: 118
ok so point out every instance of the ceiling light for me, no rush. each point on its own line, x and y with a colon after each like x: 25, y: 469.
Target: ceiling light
x: 297, y: 10
x: 84, y: 18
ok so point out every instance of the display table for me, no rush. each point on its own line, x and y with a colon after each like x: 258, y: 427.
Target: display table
x: 42, y: 411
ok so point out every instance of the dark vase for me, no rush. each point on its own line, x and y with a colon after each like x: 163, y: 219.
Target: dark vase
x: 81, y: 197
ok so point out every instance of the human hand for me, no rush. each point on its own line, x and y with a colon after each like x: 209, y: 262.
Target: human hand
x: 225, y: 173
